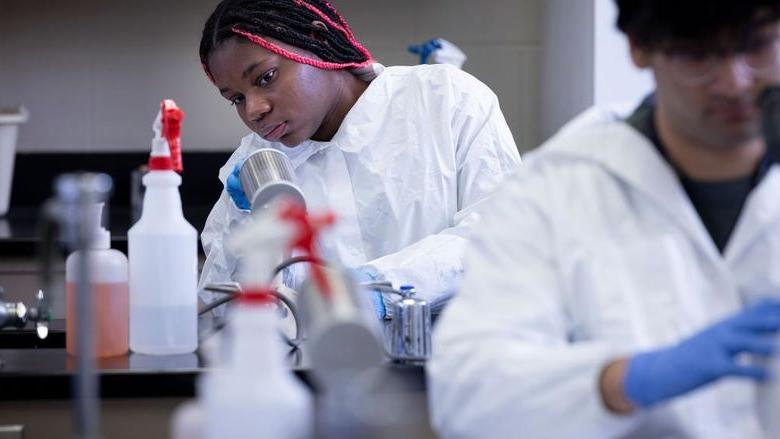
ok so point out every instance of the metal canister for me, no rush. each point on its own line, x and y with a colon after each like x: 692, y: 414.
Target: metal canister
x: 411, y: 328
x: 266, y: 174
x: 341, y: 337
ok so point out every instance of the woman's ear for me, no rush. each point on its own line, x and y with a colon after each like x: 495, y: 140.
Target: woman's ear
x: 640, y: 56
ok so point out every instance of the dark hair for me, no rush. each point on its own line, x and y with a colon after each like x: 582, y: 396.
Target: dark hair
x: 288, y: 21
x: 692, y: 25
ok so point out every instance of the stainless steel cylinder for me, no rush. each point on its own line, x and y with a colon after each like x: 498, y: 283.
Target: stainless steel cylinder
x: 268, y: 174
x: 342, y: 333
x: 411, y: 330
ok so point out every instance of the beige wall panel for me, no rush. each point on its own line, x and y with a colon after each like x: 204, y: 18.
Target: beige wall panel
x: 92, y: 72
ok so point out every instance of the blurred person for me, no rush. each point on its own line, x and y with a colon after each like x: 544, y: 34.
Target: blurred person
x: 630, y: 270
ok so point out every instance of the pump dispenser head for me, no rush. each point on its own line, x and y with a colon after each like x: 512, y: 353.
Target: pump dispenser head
x: 100, y: 238
x: 166, y: 144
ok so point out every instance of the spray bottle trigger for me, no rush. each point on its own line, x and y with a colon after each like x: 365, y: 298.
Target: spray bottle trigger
x: 308, y: 228
x: 172, y: 117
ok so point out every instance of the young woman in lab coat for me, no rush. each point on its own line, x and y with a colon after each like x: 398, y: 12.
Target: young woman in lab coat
x: 403, y: 155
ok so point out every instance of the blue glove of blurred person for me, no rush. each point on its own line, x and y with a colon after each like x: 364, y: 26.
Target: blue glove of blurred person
x: 364, y: 276
x: 233, y: 187
x: 425, y: 49
x: 705, y: 357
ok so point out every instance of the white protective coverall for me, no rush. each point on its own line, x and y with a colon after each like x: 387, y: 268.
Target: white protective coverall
x: 591, y: 252
x: 421, y: 148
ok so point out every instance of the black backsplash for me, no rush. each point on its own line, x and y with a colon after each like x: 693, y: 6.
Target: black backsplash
x: 34, y: 174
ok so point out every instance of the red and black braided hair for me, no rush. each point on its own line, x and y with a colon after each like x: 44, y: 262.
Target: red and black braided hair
x: 292, y: 22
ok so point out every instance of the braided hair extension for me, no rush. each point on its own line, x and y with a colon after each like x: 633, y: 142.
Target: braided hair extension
x: 289, y: 21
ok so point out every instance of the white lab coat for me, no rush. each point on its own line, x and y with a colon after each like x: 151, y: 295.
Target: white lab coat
x: 418, y: 152
x: 593, y: 251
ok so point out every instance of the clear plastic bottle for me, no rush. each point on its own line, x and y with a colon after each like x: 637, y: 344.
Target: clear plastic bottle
x: 109, y: 288
x: 255, y: 395
x: 251, y: 393
x: 163, y: 251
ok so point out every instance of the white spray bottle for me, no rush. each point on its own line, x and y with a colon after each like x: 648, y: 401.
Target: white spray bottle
x: 255, y: 394
x: 163, y: 252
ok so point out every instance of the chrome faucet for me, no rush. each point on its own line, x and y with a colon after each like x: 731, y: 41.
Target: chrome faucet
x: 18, y: 314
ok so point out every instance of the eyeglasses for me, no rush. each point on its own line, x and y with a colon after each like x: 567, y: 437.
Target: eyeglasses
x: 760, y: 59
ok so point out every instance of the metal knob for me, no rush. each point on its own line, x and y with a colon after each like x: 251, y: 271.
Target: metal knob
x: 410, y: 328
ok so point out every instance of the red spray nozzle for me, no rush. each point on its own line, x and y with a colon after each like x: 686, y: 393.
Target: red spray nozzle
x: 309, y: 228
x: 172, y: 117
x: 166, y: 145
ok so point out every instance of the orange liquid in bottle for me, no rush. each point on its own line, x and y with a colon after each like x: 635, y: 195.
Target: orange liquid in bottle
x: 110, y: 318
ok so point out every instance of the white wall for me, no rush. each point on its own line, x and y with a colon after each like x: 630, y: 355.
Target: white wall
x: 92, y: 72
x: 567, y: 68
x: 586, y: 62
x: 617, y: 80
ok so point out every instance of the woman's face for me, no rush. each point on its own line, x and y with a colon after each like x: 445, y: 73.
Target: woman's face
x: 279, y: 99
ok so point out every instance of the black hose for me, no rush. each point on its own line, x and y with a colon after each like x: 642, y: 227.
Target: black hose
x: 296, y: 260
x: 279, y: 268
x: 216, y: 303
x: 230, y: 295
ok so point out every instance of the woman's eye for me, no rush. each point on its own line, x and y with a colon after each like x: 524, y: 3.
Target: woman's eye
x: 235, y: 100
x: 266, y: 78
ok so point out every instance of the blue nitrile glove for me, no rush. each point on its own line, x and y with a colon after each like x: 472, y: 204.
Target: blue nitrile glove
x: 425, y: 49
x: 233, y: 187
x: 364, y: 276
x: 705, y: 357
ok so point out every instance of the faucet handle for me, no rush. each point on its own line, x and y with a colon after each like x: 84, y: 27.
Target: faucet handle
x: 42, y: 329
x: 41, y: 315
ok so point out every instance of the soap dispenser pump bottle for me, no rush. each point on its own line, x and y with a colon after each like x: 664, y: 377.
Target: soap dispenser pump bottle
x: 109, y: 288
